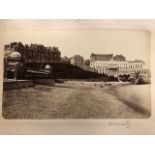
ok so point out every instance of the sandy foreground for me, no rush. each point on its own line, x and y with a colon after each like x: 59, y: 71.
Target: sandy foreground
x: 78, y: 99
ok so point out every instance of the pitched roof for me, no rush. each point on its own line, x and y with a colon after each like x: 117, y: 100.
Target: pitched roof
x: 103, y: 57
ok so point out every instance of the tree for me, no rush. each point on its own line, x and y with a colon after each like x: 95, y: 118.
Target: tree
x: 65, y: 59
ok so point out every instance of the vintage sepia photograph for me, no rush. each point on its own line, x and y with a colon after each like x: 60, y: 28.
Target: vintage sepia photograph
x: 72, y: 73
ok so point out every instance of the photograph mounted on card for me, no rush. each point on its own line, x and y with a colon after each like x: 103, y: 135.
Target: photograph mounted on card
x: 77, y: 76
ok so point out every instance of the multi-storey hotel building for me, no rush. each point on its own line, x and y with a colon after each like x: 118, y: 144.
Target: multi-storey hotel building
x: 116, y: 65
x: 34, y: 53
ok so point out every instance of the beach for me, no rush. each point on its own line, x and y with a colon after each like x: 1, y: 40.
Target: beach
x: 78, y: 99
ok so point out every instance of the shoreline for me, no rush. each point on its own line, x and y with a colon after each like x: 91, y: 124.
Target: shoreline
x: 78, y: 99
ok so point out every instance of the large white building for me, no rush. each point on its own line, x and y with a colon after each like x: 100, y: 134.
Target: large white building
x: 116, y: 65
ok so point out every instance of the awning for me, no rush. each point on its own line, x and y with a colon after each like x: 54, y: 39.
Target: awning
x: 37, y: 72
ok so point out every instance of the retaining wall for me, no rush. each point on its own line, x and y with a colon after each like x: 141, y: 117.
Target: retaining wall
x: 9, y: 85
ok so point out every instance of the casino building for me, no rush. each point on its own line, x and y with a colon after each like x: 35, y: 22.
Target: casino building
x: 18, y: 57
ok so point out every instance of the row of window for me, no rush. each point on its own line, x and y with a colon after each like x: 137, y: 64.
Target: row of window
x: 118, y: 65
x: 54, y: 56
x: 122, y: 67
x: 41, y: 54
x: 99, y: 70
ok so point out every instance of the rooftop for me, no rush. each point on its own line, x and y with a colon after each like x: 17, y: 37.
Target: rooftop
x: 105, y: 57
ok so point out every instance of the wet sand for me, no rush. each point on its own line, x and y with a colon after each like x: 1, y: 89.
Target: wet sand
x: 78, y: 99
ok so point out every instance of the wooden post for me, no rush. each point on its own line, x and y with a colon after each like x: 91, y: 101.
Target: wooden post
x: 15, y: 74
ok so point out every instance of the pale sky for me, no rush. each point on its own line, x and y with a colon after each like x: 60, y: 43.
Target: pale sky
x: 71, y: 40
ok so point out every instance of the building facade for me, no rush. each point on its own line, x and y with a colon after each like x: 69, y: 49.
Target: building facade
x: 18, y: 57
x: 77, y: 60
x: 13, y: 67
x: 34, y: 53
x: 116, y: 65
